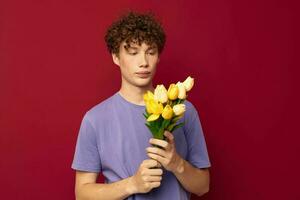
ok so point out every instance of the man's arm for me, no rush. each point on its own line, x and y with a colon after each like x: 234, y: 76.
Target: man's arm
x: 87, y: 188
x: 193, y: 179
x: 145, y: 179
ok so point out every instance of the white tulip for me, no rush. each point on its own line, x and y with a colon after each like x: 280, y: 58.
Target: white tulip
x: 179, y: 109
x: 188, y: 83
x: 161, y: 94
x: 182, y: 90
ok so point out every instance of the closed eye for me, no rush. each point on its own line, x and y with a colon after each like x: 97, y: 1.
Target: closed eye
x: 132, y: 53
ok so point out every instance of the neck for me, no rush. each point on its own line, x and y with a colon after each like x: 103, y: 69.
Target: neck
x: 133, y: 93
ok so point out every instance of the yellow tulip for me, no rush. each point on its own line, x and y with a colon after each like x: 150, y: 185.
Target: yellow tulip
x: 188, y: 83
x: 179, y: 109
x: 152, y: 117
x: 182, y: 90
x: 173, y: 92
x: 148, y: 107
x: 160, y: 94
x: 155, y: 108
x: 148, y: 96
x: 167, y: 112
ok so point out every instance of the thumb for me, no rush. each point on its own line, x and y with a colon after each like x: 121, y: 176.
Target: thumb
x: 169, y: 136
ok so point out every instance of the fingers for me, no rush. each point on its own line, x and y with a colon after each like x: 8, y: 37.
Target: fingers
x: 146, y: 178
x: 170, y: 137
x: 156, y: 172
x: 157, y: 157
x: 150, y: 163
x: 158, y: 164
x: 166, y: 144
x: 152, y: 178
x: 161, y: 143
x: 153, y: 172
x: 148, y: 166
x: 156, y: 151
x: 154, y: 184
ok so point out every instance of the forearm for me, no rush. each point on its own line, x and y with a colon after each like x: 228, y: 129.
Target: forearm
x: 192, y: 179
x: 112, y: 191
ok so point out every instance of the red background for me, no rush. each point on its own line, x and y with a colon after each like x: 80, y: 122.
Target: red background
x: 54, y: 66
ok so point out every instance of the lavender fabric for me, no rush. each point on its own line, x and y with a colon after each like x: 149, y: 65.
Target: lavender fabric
x: 113, y: 139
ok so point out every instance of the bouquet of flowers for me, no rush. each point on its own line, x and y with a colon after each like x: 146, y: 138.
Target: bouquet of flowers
x: 165, y: 107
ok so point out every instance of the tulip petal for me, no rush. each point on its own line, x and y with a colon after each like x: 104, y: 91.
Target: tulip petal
x: 153, y: 117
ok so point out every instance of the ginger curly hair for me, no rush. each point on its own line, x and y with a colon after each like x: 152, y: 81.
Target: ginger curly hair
x: 135, y: 27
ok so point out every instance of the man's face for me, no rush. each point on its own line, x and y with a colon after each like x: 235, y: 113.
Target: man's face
x: 137, y: 63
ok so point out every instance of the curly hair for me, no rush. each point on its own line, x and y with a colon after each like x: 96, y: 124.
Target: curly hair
x: 135, y: 27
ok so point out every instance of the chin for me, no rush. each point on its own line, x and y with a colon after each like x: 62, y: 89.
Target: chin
x: 143, y: 83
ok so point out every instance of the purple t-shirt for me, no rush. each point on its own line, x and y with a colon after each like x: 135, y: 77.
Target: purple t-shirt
x: 113, y: 139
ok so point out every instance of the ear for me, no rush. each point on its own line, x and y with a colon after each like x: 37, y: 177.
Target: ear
x: 115, y: 58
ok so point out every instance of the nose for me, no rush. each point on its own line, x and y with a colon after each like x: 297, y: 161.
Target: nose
x: 143, y: 60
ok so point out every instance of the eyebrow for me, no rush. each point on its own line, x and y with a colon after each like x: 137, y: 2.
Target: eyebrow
x: 130, y: 47
x: 135, y: 48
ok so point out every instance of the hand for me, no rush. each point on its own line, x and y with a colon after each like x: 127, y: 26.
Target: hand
x: 146, y: 178
x: 167, y: 156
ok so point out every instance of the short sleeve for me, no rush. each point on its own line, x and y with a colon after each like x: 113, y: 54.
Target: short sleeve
x: 197, y: 150
x: 86, y: 157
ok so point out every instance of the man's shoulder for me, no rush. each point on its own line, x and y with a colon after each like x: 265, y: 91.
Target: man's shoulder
x: 191, y: 111
x: 189, y: 107
x: 101, y: 109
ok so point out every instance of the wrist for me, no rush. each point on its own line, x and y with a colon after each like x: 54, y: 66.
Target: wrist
x: 180, y: 166
x: 130, y: 186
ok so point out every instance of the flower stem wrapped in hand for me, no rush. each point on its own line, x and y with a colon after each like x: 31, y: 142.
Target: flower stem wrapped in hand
x: 165, y: 107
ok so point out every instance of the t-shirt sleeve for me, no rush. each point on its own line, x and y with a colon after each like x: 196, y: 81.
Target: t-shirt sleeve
x: 197, y: 150
x: 86, y: 157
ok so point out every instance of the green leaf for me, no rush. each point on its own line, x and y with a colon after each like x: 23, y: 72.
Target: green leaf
x: 175, y: 119
x: 166, y: 123
x: 145, y: 116
x: 152, y: 129
x: 170, y: 127
x: 177, y: 126
x: 160, y: 134
x: 160, y: 120
x: 147, y: 112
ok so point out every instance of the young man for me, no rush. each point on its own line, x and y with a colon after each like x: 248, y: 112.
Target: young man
x: 114, y: 140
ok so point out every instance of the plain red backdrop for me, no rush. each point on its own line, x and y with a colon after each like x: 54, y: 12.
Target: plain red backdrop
x: 54, y: 66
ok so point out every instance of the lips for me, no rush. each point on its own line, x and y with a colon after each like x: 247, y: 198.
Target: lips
x: 143, y: 72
